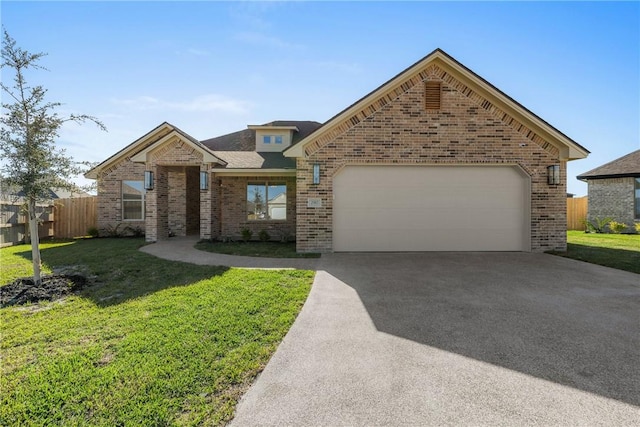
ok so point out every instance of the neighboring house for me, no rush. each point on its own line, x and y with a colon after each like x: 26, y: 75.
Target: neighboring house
x: 434, y: 159
x: 614, y: 190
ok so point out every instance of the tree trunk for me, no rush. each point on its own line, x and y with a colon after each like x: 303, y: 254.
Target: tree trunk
x: 35, y: 241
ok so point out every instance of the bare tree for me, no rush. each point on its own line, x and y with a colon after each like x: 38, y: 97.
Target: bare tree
x: 29, y: 127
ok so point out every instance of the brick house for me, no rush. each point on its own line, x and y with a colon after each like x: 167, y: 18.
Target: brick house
x: 614, y: 190
x: 434, y: 159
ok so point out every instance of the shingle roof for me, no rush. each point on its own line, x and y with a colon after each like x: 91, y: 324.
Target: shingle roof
x: 628, y: 165
x: 245, y: 140
x: 254, y: 160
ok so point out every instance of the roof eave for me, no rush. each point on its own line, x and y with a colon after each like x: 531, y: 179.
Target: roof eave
x: 253, y: 171
x: 257, y: 127
x: 95, y: 171
x: 207, y: 155
x: 609, y: 176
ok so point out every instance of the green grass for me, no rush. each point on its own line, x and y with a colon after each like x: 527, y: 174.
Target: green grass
x: 621, y: 251
x: 257, y: 249
x: 154, y: 342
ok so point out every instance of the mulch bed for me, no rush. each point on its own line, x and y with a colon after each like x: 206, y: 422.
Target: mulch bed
x: 53, y: 287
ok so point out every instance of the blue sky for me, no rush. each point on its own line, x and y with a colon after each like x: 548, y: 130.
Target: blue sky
x: 214, y: 67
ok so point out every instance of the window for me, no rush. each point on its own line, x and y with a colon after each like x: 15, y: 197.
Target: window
x: 266, y: 139
x: 637, y: 194
x: 266, y: 201
x: 132, y: 200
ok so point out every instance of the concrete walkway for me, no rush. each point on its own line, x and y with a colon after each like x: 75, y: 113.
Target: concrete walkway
x: 182, y: 249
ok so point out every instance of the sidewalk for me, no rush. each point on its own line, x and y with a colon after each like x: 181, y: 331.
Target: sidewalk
x: 182, y: 249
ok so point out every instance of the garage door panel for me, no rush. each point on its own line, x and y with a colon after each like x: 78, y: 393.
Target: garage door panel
x: 398, y: 240
x: 412, y: 208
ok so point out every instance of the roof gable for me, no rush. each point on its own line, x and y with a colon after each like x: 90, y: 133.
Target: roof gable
x: 628, y: 165
x: 177, y: 136
x: 440, y: 65
x: 145, y: 142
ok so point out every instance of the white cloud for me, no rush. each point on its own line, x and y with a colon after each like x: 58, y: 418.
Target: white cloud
x: 252, y: 14
x: 202, y: 103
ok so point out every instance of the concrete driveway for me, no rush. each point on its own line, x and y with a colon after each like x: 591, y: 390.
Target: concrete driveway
x: 456, y: 339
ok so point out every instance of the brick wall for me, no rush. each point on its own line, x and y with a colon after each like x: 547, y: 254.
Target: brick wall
x: 463, y: 131
x: 168, y: 204
x: 177, y: 203
x: 232, y: 208
x: 614, y: 198
x: 110, y: 194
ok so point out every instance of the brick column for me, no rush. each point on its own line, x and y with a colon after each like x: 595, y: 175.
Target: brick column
x: 162, y: 207
x: 206, y: 219
x: 151, y: 210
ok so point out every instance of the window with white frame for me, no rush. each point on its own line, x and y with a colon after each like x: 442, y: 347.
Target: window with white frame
x: 266, y: 201
x: 268, y: 139
x: 132, y: 200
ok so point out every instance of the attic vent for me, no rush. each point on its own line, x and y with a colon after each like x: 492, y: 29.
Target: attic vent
x: 432, y: 95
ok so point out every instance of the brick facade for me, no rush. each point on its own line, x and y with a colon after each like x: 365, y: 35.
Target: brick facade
x: 612, y: 198
x: 470, y: 123
x: 402, y: 132
x: 110, y: 195
x: 232, y: 208
x: 177, y: 207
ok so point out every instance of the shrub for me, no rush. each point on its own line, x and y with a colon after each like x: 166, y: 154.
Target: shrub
x: 136, y: 231
x: 637, y: 225
x: 264, y: 236
x: 246, y: 234
x: 617, y: 227
x: 93, y: 232
x: 597, y: 225
x: 285, y: 236
x: 114, y: 230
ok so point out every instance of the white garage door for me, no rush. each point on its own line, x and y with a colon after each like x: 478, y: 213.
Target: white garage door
x: 431, y: 208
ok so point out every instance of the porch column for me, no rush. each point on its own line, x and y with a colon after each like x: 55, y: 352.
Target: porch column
x: 205, y: 206
x: 156, y: 202
x: 151, y: 209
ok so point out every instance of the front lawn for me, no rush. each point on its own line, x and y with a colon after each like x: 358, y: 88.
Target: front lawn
x: 621, y: 251
x: 257, y: 249
x: 153, y: 342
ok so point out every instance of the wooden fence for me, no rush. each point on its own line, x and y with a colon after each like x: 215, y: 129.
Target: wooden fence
x: 576, y: 213
x: 14, y: 223
x: 65, y: 218
x: 73, y: 217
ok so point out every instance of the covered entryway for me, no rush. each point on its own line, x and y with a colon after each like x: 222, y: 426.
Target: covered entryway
x: 178, y: 200
x: 431, y: 208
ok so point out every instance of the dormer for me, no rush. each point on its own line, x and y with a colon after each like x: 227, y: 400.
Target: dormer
x: 273, y: 138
